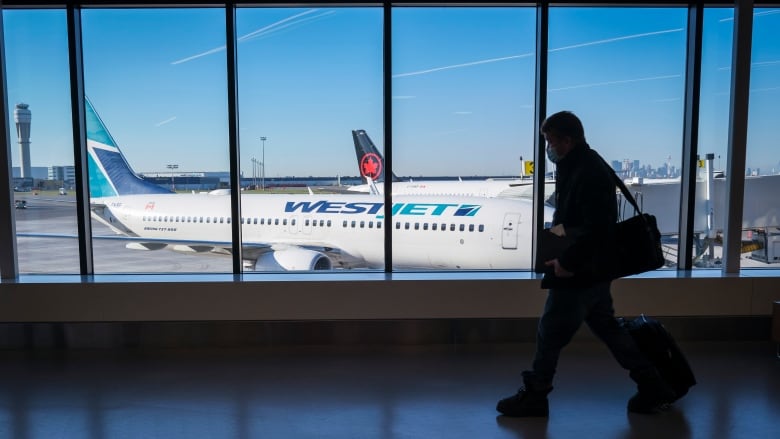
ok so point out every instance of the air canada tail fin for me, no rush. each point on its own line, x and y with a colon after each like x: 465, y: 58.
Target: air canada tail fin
x: 371, y: 164
x: 109, y: 173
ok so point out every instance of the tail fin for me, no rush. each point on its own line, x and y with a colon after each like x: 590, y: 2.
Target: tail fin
x: 371, y: 164
x: 109, y: 173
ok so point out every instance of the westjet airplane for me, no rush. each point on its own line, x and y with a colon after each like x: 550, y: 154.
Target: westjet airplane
x: 371, y: 166
x: 307, y: 232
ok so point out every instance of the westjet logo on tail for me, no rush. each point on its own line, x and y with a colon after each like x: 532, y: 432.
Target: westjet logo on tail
x: 109, y: 174
x: 340, y: 207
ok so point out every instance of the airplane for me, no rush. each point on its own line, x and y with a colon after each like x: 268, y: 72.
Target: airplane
x: 371, y: 166
x: 653, y: 195
x: 307, y: 232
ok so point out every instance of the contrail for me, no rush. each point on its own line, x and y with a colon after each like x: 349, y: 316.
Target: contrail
x: 624, y: 81
x: 208, y: 52
x: 165, y: 121
x: 755, y: 64
x: 272, y: 25
x: 526, y: 55
x: 755, y: 14
x: 278, y: 26
x: 612, y: 40
x: 474, y: 63
x: 263, y: 31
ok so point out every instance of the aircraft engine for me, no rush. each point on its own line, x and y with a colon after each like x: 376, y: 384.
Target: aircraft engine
x: 293, y: 259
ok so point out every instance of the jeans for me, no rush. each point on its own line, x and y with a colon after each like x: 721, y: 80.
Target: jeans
x: 565, y: 311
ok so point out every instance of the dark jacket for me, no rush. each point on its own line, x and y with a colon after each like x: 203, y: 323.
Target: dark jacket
x: 586, y: 205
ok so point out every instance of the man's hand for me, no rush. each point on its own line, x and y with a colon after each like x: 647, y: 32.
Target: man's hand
x: 558, y: 230
x: 559, y: 271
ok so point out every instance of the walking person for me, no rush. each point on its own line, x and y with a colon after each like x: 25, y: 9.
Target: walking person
x: 585, y: 206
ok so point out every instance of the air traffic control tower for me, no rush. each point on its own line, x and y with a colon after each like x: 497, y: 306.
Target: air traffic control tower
x: 22, y: 118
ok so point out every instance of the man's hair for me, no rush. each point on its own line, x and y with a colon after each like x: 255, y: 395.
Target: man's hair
x: 564, y: 123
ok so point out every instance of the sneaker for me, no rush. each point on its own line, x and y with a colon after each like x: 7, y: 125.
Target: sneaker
x: 530, y: 400
x: 524, y: 404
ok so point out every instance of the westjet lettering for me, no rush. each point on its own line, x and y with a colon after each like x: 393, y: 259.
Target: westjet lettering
x: 307, y: 232
x: 433, y: 209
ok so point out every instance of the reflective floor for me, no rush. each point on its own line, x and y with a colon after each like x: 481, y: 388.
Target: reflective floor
x: 371, y: 392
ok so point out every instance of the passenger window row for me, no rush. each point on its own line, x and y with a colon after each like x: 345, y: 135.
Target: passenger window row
x: 315, y: 223
x: 442, y: 227
x: 226, y: 220
x: 186, y: 219
x: 360, y: 224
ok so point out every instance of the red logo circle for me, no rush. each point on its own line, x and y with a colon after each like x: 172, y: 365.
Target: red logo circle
x: 371, y: 166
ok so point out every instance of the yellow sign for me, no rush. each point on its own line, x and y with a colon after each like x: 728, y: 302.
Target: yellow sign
x: 701, y: 163
x: 529, y: 167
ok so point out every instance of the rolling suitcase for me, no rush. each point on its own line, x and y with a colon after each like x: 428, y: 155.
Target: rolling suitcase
x: 660, y: 348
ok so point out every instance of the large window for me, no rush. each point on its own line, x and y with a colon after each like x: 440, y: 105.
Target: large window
x: 622, y: 71
x: 710, y: 207
x: 156, y: 84
x: 761, y: 220
x: 308, y: 78
x: 463, y: 115
x: 42, y: 152
x: 312, y: 132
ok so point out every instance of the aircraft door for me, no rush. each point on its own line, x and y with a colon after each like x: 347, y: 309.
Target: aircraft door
x: 510, y: 231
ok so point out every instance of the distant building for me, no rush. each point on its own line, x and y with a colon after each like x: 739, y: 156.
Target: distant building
x: 187, y: 181
x: 66, y: 174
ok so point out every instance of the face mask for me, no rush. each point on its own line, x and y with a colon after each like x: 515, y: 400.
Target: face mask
x: 552, y: 155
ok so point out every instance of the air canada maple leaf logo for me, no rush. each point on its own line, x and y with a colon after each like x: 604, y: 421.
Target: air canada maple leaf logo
x: 370, y: 166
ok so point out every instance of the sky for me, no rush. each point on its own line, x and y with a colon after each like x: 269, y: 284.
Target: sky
x: 462, y: 85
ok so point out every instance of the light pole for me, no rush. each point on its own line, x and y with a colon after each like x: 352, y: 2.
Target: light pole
x: 172, y: 167
x: 255, y: 168
x: 262, y: 162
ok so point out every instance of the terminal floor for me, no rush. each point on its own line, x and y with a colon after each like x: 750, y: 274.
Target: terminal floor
x: 434, y: 391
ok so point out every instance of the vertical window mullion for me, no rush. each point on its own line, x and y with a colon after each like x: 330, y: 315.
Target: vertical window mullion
x: 9, y: 264
x: 540, y: 111
x: 690, y: 136
x: 737, y: 143
x: 80, y: 154
x: 232, y: 97
x: 388, y: 133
